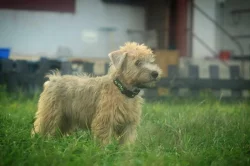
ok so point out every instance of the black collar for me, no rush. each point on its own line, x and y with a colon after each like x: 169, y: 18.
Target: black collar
x: 124, y: 90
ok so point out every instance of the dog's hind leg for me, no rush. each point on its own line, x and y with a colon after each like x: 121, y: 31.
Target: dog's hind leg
x: 49, y: 118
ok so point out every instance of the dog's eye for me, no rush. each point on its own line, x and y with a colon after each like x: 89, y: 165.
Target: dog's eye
x: 137, y: 63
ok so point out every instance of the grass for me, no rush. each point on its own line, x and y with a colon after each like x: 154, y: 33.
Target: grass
x: 176, y: 131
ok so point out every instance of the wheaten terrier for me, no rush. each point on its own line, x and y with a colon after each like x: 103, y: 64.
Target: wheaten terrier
x: 108, y: 105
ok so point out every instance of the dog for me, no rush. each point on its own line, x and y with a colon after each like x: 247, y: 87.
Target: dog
x: 109, y: 106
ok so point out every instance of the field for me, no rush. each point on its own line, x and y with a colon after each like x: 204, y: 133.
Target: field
x: 201, y: 131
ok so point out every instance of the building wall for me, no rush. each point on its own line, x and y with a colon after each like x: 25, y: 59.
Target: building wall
x: 204, y: 29
x: 84, y: 33
x: 237, y: 25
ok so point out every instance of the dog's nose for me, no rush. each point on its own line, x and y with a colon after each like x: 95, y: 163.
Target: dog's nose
x: 154, y: 74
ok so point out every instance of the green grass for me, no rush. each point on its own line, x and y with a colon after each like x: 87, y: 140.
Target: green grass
x: 203, y: 131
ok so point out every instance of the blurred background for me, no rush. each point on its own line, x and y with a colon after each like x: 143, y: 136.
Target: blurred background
x: 197, y: 42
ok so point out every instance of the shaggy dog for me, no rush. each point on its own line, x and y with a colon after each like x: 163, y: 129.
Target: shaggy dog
x: 108, y: 105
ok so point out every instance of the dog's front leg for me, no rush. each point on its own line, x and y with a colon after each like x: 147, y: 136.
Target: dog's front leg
x: 102, y: 129
x: 128, y: 135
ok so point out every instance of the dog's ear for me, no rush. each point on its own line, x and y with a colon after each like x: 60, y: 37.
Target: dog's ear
x: 117, y: 58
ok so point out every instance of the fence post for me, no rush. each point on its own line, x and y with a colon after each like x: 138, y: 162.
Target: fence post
x: 194, y: 75
x: 12, y: 82
x: 6, y: 66
x: 106, y: 68
x: 235, y: 74
x: 66, y: 68
x: 21, y: 66
x: 214, y: 74
x: 43, y: 66
x: 173, y: 74
x: 88, y: 67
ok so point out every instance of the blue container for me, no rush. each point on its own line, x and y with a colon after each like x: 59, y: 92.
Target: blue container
x: 4, y: 53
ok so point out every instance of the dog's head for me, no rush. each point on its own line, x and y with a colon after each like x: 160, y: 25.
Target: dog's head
x: 136, y: 65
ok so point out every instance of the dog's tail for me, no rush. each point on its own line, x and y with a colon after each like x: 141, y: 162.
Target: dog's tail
x: 54, y: 74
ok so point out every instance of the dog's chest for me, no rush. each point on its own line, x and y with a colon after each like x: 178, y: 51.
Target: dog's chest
x: 123, y: 110
x: 127, y: 111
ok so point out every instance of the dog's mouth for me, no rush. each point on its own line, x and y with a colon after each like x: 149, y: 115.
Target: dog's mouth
x: 150, y: 84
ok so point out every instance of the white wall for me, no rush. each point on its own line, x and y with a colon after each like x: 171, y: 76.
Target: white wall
x: 236, y: 25
x: 204, y: 29
x: 42, y: 33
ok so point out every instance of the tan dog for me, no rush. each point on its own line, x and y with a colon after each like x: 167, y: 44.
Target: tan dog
x: 109, y: 105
